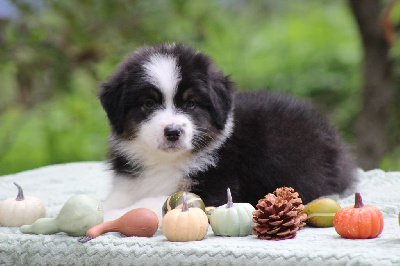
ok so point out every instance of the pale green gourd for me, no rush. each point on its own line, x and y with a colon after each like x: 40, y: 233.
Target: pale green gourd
x: 232, y: 219
x: 175, y: 201
x: 78, y: 214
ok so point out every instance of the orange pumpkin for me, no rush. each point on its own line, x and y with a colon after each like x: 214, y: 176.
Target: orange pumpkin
x: 359, y: 221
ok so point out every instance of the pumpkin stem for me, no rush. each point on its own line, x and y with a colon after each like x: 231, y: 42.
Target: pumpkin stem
x: 20, y: 195
x: 184, y: 203
x: 358, y: 201
x: 230, y: 203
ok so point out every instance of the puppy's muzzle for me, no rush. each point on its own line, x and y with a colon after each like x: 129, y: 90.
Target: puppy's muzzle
x: 173, y: 132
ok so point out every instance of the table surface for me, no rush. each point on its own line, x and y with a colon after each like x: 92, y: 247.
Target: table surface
x: 312, y: 246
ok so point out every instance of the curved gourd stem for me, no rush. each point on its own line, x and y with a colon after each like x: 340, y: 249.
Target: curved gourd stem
x: 358, y: 201
x: 99, y: 229
x: 20, y: 195
x: 85, y: 239
x: 43, y: 226
x: 230, y: 203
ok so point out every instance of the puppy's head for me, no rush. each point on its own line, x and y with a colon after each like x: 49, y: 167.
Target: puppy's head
x: 167, y: 99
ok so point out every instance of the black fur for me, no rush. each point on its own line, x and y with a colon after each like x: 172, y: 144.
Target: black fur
x: 276, y: 140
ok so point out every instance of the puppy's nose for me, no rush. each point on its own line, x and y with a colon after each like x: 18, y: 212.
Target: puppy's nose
x: 172, y: 132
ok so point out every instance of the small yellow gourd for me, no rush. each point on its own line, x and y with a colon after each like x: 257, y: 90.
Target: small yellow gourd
x: 186, y: 224
x: 21, y: 210
x: 320, y: 212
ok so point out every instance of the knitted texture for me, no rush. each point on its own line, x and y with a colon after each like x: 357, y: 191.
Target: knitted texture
x: 311, y: 246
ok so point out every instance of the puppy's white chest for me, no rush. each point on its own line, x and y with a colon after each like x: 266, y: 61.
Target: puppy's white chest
x: 159, y: 180
x: 156, y: 181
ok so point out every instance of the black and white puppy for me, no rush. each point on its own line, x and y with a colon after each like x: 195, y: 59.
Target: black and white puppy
x: 178, y: 125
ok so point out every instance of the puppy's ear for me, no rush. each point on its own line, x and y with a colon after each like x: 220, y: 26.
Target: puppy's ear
x: 221, y: 94
x: 111, y: 99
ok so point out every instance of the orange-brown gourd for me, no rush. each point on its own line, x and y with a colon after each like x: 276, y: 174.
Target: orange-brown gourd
x: 140, y: 222
x: 359, y: 221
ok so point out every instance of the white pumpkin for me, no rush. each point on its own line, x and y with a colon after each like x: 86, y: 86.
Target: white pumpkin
x: 21, y: 210
x: 232, y: 219
x: 186, y: 224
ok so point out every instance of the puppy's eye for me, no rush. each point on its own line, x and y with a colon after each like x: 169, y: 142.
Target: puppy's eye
x: 190, y: 104
x: 149, y: 103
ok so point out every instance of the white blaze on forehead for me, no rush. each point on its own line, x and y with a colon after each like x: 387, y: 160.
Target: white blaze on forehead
x: 163, y: 72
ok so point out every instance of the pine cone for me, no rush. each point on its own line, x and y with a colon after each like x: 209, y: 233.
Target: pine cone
x: 277, y: 215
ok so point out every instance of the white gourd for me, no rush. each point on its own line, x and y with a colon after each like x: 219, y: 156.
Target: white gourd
x: 186, y: 224
x: 21, y: 210
x: 232, y: 219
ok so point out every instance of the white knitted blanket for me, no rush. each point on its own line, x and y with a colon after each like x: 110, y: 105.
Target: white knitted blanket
x: 312, y: 246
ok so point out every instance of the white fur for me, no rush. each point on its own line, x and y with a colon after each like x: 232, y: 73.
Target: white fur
x: 163, y: 164
x: 163, y: 72
x: 153, y: 203
x: 159, y: 179
x: 161, y: 176
x: 152, y: 132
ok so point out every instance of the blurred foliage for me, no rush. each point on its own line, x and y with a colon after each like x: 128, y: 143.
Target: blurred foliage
x: 55, y: 54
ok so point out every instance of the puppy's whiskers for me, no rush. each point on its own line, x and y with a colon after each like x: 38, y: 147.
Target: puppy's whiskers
x: 199, y: 142
x: 205, y: 132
